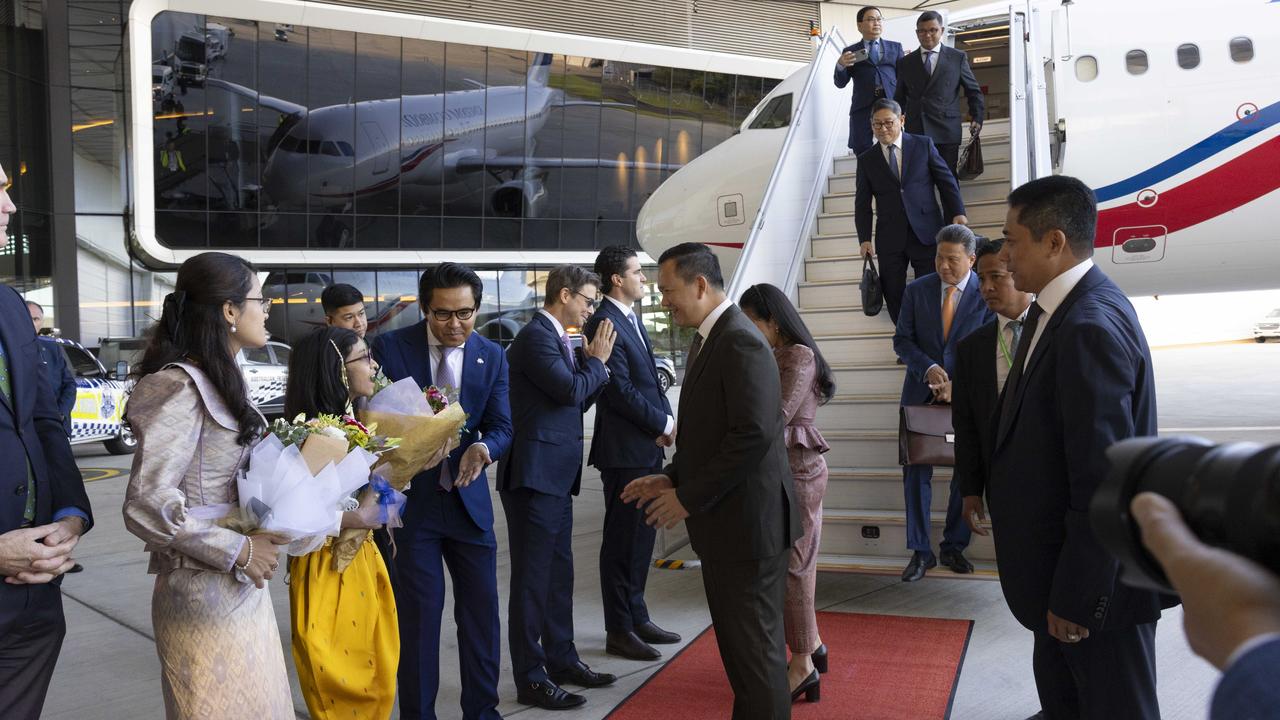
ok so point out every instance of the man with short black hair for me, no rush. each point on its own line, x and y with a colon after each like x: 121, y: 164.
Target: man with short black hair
x: 550, y: 390
x: 871, y: 63
x: 633, y: 425
x: 448, y: 519
x: 344, y: 307
x: 929, y: 83
x: 56, y: 365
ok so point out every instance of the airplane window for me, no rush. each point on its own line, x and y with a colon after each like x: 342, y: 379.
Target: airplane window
x: 1135, y: 61
x: 1241, y: 49
x: 1086, y: 68
x: 1188, y: 56
x: 345, y: 148
x: 777, y: 114
x: 329, y: 148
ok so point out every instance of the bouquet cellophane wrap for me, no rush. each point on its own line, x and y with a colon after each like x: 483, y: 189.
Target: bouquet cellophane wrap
x: 279, y: 493
x: 401, y: 410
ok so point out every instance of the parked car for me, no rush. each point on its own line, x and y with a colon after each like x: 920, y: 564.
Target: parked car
x: 1267, y: 327
x: 266, y: 371
x: 98, y: 415
x: 666, y: 372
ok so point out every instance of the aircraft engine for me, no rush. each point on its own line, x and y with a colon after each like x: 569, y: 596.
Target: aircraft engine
x: 519, y: 198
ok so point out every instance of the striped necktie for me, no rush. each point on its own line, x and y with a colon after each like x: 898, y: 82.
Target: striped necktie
x: 445, y: 379
x: 6, y: 387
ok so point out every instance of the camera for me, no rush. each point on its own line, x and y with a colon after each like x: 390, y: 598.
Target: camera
x: 1229, y: 495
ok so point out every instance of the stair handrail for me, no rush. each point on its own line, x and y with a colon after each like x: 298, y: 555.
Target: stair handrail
x: 774, y: 249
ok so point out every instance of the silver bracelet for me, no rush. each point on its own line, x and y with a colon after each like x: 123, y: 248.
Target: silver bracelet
x: 249, y: 559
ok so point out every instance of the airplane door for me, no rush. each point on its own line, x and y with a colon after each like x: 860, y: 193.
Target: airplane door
x: 378, y: 141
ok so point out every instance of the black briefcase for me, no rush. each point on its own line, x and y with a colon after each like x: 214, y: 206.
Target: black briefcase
x: 872, y: 292
x: 925, y: 436
x: 969, y: 165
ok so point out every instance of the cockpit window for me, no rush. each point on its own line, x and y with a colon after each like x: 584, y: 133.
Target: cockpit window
x: 776, y: 114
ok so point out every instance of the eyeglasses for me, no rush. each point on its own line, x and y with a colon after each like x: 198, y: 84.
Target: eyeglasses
x: 264, y: 301
x: 884, y: 124
x: 366, y: 358
x: 591, y: 302
x: 8, y: 183
x: 445, y: 315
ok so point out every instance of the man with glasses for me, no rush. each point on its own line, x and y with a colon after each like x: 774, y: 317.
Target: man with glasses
x: 551, y: 387
x: 929, y: 83
x: 344, y: 307
x: 449, y: 515
x: 871, y: 63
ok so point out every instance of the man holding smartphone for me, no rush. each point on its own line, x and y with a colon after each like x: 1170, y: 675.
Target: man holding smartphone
x: 871, y: 63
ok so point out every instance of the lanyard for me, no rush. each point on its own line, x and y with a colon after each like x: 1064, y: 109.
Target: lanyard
x: 1004, y: 349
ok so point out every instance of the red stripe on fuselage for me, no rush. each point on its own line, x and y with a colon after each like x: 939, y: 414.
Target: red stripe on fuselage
x: 1236, y: 182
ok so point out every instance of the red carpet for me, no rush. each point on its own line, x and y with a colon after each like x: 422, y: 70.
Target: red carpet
x: 883, y: 667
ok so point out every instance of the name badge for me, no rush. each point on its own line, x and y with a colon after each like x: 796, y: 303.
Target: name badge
x: 950, y: 437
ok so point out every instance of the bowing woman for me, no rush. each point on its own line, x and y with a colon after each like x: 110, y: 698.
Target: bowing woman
x: 190, y: 410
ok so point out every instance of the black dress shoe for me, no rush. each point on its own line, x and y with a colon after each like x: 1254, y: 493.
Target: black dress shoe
x: 580, y: 674
x: 811, y: 689
x: 956, y: 561
x: 629, y: 646
x: 920, y: 563
x: 651, y: 633
x: 548, y: 696
x: 819, y: 658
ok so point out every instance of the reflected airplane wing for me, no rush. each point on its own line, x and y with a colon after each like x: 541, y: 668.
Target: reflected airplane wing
x: 281, y: 106
x: 477, y: 164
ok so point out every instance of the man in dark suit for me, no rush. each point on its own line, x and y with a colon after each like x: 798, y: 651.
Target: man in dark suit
x: 633, y: 425
x: 1081, y: 380
x: 43, y: 507
x: 901, y: 172
x: 929, y: 83
x: 1231, y: 610
x: 983, y: 361
x: 938, y: 310
x: 730, y: 478
x: 448, y: 519
x: 54, y: 360
x: 550, y: 389
x: 871, y: 63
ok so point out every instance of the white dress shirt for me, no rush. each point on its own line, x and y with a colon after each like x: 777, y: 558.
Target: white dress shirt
x: 884, y: 149
x: 1003, y: 362
x: 930, y: 63
x: 710, y: 320
x: 629, y: 313
x: 1051, y: 297
x: 456, y: 366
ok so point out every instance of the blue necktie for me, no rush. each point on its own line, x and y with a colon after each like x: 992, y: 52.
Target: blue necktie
x: 635, y: 322
x: 875, y: 52
x: 893, y: 163
x: 928, y: 62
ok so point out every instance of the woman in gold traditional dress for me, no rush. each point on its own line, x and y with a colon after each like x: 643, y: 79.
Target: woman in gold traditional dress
x: 190, y: 410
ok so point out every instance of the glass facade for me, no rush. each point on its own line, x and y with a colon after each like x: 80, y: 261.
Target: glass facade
x: 282, y: 136
x: 26, y: 263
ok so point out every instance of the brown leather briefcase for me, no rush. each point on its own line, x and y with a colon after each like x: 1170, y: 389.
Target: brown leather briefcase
x: 925, y: 435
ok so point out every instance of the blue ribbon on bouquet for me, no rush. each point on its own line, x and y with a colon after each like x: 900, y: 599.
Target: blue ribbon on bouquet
x: 390, y: 507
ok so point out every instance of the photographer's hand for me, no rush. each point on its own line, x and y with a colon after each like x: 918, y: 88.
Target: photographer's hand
x: 1226, y: 599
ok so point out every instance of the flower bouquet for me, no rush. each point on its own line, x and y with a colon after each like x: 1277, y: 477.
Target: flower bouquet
x: 424, y: 420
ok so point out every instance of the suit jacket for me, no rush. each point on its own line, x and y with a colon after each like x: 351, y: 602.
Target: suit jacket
x: 406, y: 353
x: 974, y: 404
x: 632, y: 410
x: 1248, y: 689
x: 1088, y: 384
x: 867, y: 76
x: 730, y: 467
x: 908, y: 208
x: 932, y: 102
x: 918, y: 337
x: 31, y: 430
x: 54, y: 359
x: 548, y: 397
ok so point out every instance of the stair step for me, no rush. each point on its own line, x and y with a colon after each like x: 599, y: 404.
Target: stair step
x: 840, y: 198
x: 882, y: 565
x: 874, y: 347
x: 867, y: 378
x: 846, y: 242
x: 844, y: 320
x: 980, y: 213
x: 879, y: 489
x: 859, y: 412
x: 847, y: 531
x: 995, y: 163
x: 854, y: 448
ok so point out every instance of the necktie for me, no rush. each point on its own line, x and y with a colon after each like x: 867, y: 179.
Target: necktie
x: 893, y: 163
x: 1025, y: 337
x: 1008, y: 346
x: 568, y: 351
x: 928, y: 62
x: 875, y: 52
x: 694, y: 347
x: 445, y: 377
x: 6, y: 387
x: 948, y: 311
x: 1015, y: 331
x: 635, y: 322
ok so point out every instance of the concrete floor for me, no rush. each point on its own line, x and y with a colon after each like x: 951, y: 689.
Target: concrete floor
x: 108, y: 668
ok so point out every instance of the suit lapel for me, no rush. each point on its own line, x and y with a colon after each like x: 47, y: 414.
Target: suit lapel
x: 700, y: 361
x: 472, y: 375
x: 969, y: 301
x: 418, y: 355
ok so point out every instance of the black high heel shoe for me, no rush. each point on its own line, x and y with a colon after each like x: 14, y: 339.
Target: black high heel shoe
x: 819, y: 658
x: 811, y: 688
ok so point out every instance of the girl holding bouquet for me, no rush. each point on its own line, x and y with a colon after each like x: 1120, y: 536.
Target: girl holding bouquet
x: 346, y: 642
x: 190, y: 410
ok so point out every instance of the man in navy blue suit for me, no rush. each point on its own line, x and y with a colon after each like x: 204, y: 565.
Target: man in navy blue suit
x: 929, y: 83
x: 551, y: 387
x: 1081, y: 381
x: 1231, y: 610
x: 938, y: 311
x: 901, y: 172
x: 449, y: 515
x: 871, y: 63
x: 43, y: 507
x: 633, y: 425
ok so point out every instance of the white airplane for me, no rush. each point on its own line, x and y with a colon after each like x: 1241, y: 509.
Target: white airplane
x: 1169, y: 111
x: 446, y: 139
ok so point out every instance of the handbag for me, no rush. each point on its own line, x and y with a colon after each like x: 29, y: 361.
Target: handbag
x: 969, y: 165
x: 925, y: 435
x: 872, y: 291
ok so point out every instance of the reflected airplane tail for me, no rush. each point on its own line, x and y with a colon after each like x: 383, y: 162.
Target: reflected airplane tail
x: 540, y: 70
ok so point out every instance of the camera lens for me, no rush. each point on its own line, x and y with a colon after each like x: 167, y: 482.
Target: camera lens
x: 1228, y: 494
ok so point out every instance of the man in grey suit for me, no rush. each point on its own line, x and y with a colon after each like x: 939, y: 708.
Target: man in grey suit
x: 929, y: 83
x: 730, y: 478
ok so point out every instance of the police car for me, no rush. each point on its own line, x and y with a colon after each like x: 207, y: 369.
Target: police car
x: 266, y: 372
x: 98, y: 415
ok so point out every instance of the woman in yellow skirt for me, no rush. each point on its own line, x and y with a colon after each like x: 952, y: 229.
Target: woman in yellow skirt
x: 346, y: 641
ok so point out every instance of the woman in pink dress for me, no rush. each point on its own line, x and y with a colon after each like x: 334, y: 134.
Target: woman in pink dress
x: 807, y: 382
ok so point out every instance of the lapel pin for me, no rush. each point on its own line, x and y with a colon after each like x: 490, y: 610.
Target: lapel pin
x: 479, y: 361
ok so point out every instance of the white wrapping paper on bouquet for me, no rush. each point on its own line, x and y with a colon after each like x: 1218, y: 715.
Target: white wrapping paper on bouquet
x: 279, y: 494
